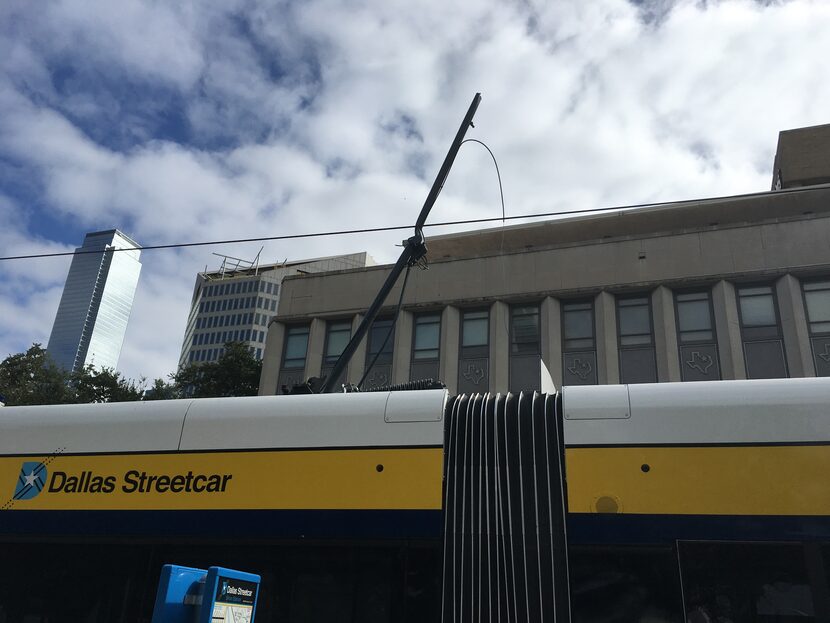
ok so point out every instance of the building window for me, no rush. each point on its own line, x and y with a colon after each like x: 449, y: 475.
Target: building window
x: 380, y: 343
x: 817, y: 304
x: 426, y: 339
x: 579, y: 354
x: 337, y: 336
x: 474, y: 354
x: 525, y: 348
x: 338, y: 333
x: 295, y: 349
x: 636, y: 342
x: 696, y: 336
x: 761, y: 333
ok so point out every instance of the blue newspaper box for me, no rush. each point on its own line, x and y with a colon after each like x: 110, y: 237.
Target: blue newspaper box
x: 214, y: 595
x: 179, y: 594
x: 230, y: 596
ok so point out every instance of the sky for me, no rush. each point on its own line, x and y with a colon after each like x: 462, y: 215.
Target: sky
x: 190, y: 121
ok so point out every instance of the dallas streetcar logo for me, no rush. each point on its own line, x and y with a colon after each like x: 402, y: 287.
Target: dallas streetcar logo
x: 31, y: 481
x: 34, y: 478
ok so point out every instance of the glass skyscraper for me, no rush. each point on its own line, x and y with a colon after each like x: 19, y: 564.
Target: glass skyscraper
x: 96, y: 302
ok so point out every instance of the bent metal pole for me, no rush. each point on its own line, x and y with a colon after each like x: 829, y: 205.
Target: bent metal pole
x: 414, y: 249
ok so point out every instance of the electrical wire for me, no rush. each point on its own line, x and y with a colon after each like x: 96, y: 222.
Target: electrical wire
x: 498, y: 175
x: 388, y: 333
x: 369, y: 230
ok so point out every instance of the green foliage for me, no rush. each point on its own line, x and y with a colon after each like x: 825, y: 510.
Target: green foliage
x: 236, y: 373
x: 32, y: 378
x: 162, y: 390
x: 106, y: 385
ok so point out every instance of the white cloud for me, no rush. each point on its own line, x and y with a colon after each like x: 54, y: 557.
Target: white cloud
x: 323, y: 115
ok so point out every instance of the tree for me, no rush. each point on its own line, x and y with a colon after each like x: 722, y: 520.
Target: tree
x: 105, y: 385
x: 32, y: 378
x: 162, y: 390
x: 236, y: 373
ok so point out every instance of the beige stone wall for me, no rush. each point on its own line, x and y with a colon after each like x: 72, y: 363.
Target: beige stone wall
x: 779, y: 251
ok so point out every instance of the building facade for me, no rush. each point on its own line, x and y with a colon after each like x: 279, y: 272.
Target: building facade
x: 96, y: 302
x: 725, y: 288
x: 236, y: 303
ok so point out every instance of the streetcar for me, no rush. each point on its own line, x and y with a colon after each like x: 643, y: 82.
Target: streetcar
x: 684, y: 501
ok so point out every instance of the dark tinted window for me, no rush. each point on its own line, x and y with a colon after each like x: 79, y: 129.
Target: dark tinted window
x: 759, y: 582
x: 625, y: 584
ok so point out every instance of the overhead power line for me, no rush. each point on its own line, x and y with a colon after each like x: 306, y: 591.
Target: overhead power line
x: 369, y: 230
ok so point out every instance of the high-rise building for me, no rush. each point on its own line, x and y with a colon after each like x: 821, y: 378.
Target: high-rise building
x: 96, y: 302
x: 236, y: 302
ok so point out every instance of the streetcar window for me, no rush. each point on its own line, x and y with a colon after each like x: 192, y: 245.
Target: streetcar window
x: 761, y: 333
x: 817, y: 303
x: 762, y: 582
x: 579, y: 355
x: 90, y: 583
x: 632, y: 584
x: 636, y: 342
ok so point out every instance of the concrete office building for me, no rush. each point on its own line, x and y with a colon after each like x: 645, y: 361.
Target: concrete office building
x: 724, y: 288
x: 236, y: 302
x: 96, y: 302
